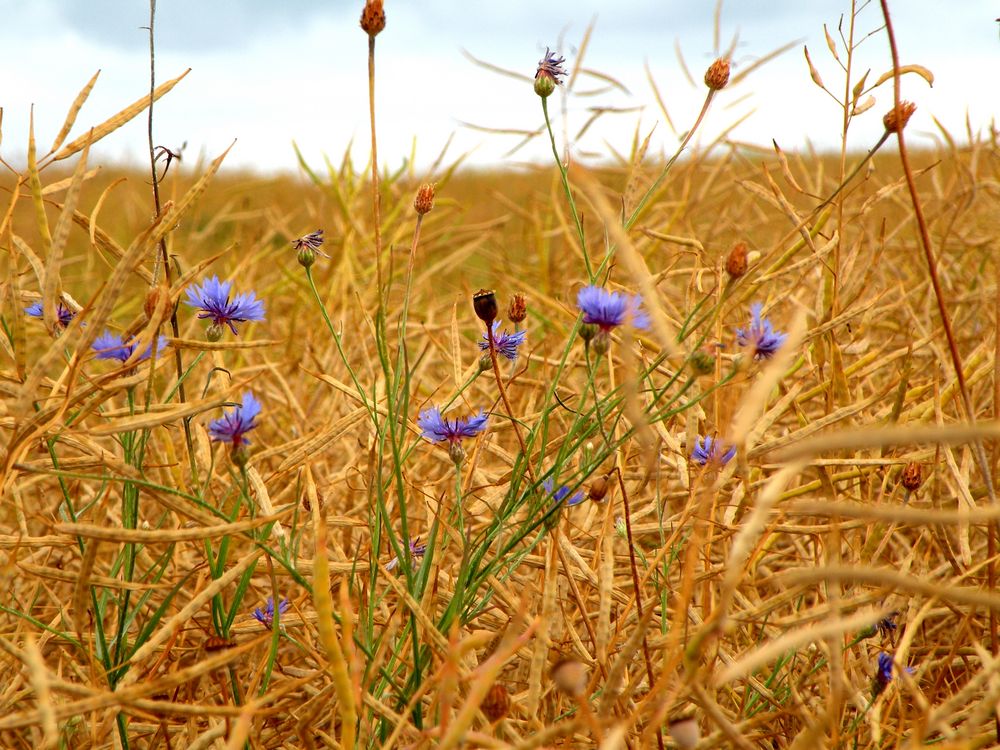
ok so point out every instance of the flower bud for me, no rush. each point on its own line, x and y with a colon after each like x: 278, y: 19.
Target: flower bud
x: 601, y: 343
x: 424, y: 200
x: 896, y: 119
x: 703, y: 361
x: 496, y: 704
x: 621, y: 529
x: 214, y: 332
x: 912, y: 476
x: 456, y: 452
x: 588, y: 331
x: 570, y: 676
x: 736, y: 263
x: 717, y: 75
x: 373, y: 17
x: 545, y: 84
x: 240, y: 455
x: 517, y: 311
x: 485, y: 304
x: 485, y: 362
x: 306, y: 256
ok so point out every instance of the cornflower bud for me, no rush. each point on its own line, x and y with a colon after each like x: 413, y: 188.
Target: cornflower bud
x: 912, y: 476
x: 736, y: 263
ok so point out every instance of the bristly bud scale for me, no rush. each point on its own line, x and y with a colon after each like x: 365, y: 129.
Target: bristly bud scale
x: 373, y: 17
x: 423, y: 202
x: 485, y: 304
x: 456, y: 453
x: 214, y: 332
x: 517, y: 311
x: 912, y: 476
x: 896, y: 119
x: 717, y: 75
x: 736, y: 263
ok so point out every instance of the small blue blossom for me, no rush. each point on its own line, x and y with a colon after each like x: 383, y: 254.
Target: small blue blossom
x: 63, y: 313
x: 883, y: 675
x: 265, y: 616
x: 111, y: 346
x: 506, y: 343
x: 710, y: 450
x: 608, y: 310
x: 437, y: 429
x: 233, y: 425
x: 417, y: 551
x: 559, y: 495
x: 212, y: 299
x: 760, y: 335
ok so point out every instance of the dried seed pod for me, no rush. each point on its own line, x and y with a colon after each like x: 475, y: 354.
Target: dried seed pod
x: 496, y: 704
x: 485, y: 304
x: 598, y: 489
x: 896, y: 119
x: 717, y: 75
x: 736, y: 263
x: 912, y: 476
x: 373, y: 17
x: 517, y: 311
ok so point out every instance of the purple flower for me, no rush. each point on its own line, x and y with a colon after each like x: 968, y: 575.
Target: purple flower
x: 265, y: 616
x: 111, y: 346
x: 417, y: 551
x: 437, y: 429
x: 710, y: 450
x: 506, y: 343
x: 760, y: 335
x: 558, y: 495
x: 608, y: 310
x: 212, y: 298
x: 233, y: 425
x: 312, y: 241
x: 551, y: 66
x: 883, y: 675
x: 63, y: 313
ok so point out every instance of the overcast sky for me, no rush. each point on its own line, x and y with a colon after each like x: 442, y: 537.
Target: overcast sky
x: 270, y: 72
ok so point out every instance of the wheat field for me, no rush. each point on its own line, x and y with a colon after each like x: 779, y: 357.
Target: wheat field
x: 721, y: 475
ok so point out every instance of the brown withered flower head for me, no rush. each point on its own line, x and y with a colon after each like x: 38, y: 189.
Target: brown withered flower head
x: 373, y: 17
x: 912, y: 476
x: 424, y: 200
x: 496, y: 704
x: 517, y: 311
x: 896, y: 119
x: 717, y: 75
x: 736, y: 263
x: 549, y: 72
x: 484, y: 302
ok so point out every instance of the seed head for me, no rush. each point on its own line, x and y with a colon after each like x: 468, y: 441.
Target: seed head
x: 736, y: 263
x: 717, y: 75
x: 569, y: 676
x: 517, y: 311
x: 496, y: 704
x: 485, y: 304
x: 424, y: 200
x: 912, y: 476
x: 373, y: 17
x: 896, y: 119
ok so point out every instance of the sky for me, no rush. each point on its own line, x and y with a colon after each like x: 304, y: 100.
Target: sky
x: 267, y: 73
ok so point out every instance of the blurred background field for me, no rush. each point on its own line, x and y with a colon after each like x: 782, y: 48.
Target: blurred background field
x: 747, y: 601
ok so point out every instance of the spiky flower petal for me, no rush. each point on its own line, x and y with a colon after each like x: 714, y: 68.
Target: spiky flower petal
x: 111, y: 346
x: 212, y: 298
x: 437, y: 429
x: 506, y: 343
x: 760, y: 335
x: 233, y: 425
x: 609, y: 310
x: 708, y: 450
x: 265, y: 616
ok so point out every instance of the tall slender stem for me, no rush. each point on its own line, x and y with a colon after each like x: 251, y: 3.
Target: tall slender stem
x: 376, y: 196
x: 506, y: 403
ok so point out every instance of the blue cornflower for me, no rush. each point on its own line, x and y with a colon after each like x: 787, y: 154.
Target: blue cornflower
x: 63, y: 313
x: 550, y: 66
x: 265, y: 616
x: 233, y: 425
x: 212, y: 298
x: 710, y: 450
x: 417, y: 551
x: 608, y: 310
x: 559, y: 495
x: 506, y: 343
x: 760, y: 335
x: 111, y: 346
x: 437, y: 429
x: 883, y: 674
